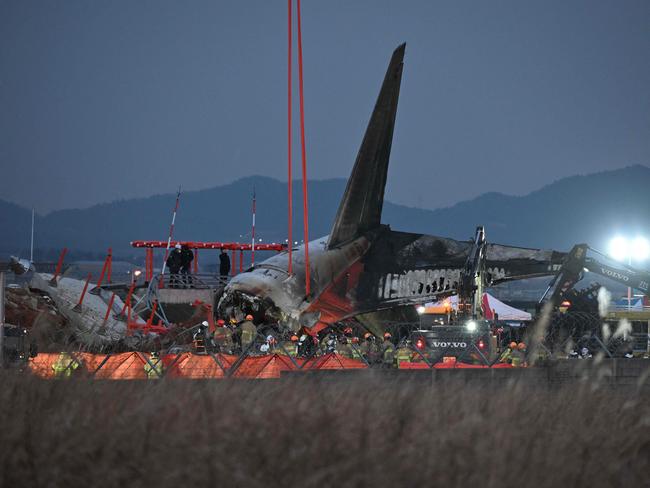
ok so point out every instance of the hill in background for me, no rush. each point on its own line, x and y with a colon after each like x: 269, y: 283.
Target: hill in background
x: 589, y: 208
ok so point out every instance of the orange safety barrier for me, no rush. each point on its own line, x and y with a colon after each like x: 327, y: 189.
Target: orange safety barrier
x: 196, y: 366
x: 336, y: 361
x: 41, y: 365
x: 416, y: 365
x: 124, y: 366
x: 131, y: 365
x: 259, y: 367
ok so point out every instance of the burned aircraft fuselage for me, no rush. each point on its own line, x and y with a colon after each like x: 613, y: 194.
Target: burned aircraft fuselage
x: 382, y: 270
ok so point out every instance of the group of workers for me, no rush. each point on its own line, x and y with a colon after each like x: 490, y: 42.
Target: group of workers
x: 228, y: 338
x: 180, y: 261
x: 235, y: 337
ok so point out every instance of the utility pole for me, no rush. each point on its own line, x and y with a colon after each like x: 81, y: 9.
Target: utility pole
x: 31, y: 245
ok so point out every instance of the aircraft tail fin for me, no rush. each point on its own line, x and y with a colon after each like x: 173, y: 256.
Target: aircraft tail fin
x: 362, y: 202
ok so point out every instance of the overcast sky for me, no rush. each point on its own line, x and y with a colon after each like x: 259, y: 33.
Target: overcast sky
x: 101, y: 100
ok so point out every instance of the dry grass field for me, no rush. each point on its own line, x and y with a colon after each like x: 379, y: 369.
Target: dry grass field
x: 311, y: 432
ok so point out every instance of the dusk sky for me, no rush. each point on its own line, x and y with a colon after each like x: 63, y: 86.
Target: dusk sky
x: 118, y: 99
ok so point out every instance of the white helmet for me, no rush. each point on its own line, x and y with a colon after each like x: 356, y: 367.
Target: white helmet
x: 177, y: 246
x: 205, y: 323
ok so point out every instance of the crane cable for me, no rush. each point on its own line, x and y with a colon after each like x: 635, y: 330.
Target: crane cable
x: 305, y: 214
x: 289, y: 177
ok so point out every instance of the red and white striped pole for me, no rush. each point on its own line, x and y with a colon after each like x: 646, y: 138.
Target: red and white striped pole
x: 171, y: 233
x: 253, y: 232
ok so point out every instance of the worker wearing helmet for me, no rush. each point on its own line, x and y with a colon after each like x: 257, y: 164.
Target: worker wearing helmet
x: 344, y: 348
x: 388, y: 351
x: 64, y: 365
x: 403, y: 354
x: 519, y: 355
x: 247, y: 332
x: 223, y: 338
x: 307, y: 344
x: 199, y: 343
x: 355, y: 348
x: 326, y: 344
x: 288, y: 347
x: 153, y: 367
x: 369, y: 348
x: 506, y: 356
x: 269, y: 345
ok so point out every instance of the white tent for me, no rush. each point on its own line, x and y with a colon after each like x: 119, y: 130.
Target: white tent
x: 489, y: 305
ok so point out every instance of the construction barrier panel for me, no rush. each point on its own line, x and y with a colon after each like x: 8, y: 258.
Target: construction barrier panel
x: 335, y: 361
x: 41, y: 365
x: 195, y: 366
x: 124, y: 366
x: 259, y: 367
x: 131, y: 365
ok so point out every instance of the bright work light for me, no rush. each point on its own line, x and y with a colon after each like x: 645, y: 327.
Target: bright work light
x: 471, y: 326
x: 622, y: 249
x: 618, y: 248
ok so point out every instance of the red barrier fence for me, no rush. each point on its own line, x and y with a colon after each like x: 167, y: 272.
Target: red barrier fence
x: 134, y: 365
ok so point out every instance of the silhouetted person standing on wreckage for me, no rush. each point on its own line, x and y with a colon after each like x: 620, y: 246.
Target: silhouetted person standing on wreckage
x: 224, y: 264
x: 187, y: 256
x: 174, y: 263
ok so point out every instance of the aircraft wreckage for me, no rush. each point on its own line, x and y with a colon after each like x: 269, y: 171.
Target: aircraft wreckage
x: 364, y: 269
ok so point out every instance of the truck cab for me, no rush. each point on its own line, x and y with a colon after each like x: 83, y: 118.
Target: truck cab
x: 469, y: 342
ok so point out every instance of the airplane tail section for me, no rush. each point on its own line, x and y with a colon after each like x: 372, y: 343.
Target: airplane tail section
x: 360, y: 208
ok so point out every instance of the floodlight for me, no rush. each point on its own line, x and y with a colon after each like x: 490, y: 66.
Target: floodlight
x: 471, y: 326
x: 619, y: 248
x: 421, y: 309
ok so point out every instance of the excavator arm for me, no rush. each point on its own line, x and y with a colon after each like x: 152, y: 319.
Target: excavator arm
x: 628, y: 276
x: 577, y: 262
